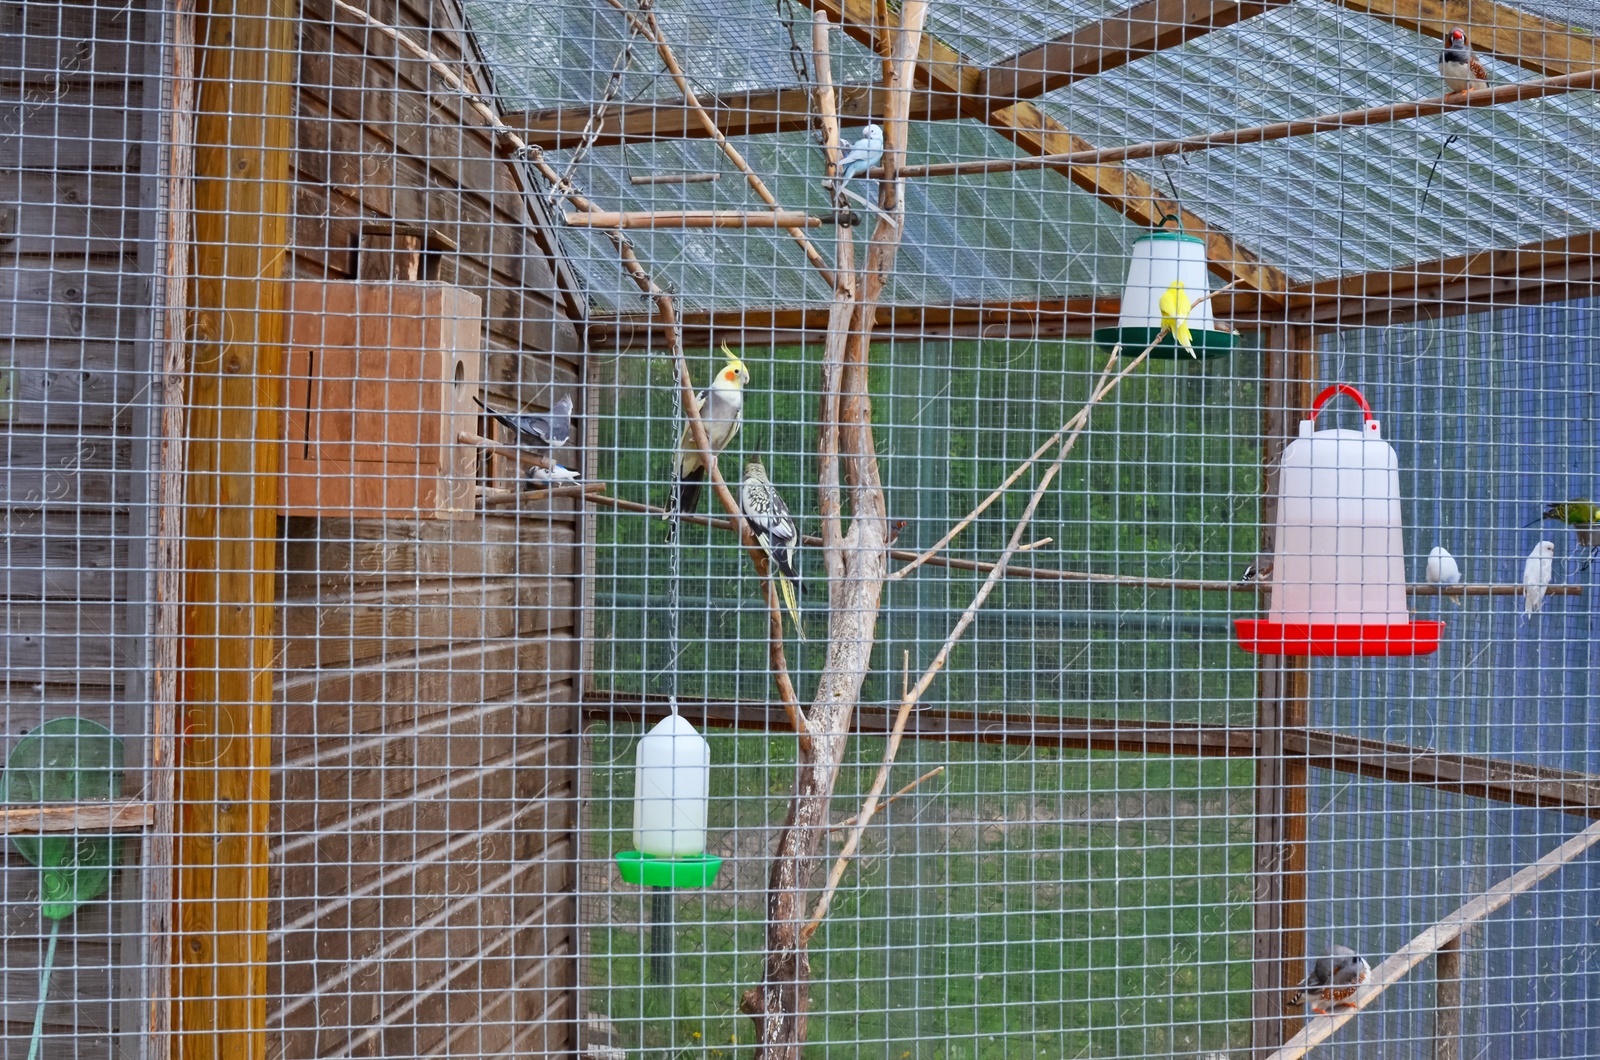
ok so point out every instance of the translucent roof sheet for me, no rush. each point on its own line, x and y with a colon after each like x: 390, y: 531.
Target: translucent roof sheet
x: 1314, y: 207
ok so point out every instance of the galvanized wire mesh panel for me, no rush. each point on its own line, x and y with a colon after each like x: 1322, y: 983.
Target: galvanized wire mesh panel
x: 379, y: 657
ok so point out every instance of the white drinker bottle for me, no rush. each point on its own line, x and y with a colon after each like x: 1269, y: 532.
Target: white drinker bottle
x: 671, y: 786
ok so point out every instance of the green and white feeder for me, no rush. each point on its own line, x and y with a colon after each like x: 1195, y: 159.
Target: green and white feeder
x: 65, y: 760
x: 1157, y: 260
x: 672, y: 785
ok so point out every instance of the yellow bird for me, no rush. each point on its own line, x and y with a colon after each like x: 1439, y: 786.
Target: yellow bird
x: 1175, y: 309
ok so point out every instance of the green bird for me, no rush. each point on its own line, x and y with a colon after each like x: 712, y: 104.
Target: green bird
x: 774, y: 531
x: 1582, y: 515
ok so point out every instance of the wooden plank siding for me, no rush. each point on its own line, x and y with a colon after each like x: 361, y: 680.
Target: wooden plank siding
x: 425, y: 761
x: 75, y: 300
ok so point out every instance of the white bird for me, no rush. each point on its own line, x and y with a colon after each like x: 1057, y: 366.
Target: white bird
x: 721, y: 408
x: 548, y: 476
x: 1442, y: 570
x: 862, y: 156
x: 1536, y: 577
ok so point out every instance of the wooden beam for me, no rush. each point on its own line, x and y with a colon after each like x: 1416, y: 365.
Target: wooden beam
x: 756, y: 112
x: 1384, y: 114
x: 1435, y: 938
x: 1476, y: 776
x: 244, y: 137
x: 1522, y: 39
x: 118, y: 815
x: 692, y: 219
x: 1447, y: 1001
x: 1284, y: 688
x: 1549, y: 270
x: 946, y: 70
x: 1113, y: 41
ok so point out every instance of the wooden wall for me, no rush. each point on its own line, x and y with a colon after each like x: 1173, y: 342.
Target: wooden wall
x: 424, y: 859
x: 74, y: 298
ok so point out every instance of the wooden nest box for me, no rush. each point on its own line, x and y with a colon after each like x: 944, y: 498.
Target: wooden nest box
x: 381, y: 381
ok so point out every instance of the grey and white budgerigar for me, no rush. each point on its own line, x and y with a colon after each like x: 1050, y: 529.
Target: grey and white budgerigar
x: 862, y: 156
x: 1332, y: 979
x: 775, y: 531
x: 541, y: 430
x: 1536, y: 574
x: 1442, y: 570
x: 721, y: 409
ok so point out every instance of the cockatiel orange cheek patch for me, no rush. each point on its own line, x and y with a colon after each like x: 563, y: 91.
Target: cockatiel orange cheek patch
x: 730, y: 375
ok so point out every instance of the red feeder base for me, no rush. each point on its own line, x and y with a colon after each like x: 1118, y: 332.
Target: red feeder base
x: 1260, y: 637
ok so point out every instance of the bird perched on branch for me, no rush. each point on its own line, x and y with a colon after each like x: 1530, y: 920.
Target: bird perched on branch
x: 554, y: 475
x: 1259, y: 571
x: 862, y: 156
x: 1461, y: 70
x: 1536, y: 577
x: 1332, y: 979
x: 1175, y: 309
x: 550, y: 430
x: 1442, y: 570
x: 774, y: 530
x: 721, y: 407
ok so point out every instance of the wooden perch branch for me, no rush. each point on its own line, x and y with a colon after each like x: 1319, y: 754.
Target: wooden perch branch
x: 695, y: 219
x: 674, y: 178
x: 849, y: 822
x: 1320, y: 1028
x: 1257, y: 134
x: 652, y: 30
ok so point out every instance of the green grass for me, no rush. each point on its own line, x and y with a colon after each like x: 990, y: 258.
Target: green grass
x: 1005, y: 912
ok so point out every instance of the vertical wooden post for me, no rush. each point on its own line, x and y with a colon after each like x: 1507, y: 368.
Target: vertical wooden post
x: 1447, y: 1001
x: 1284, y: 685
x: 243, y: 138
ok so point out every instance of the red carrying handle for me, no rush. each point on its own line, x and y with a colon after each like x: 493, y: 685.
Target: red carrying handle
x: 1341, y: 388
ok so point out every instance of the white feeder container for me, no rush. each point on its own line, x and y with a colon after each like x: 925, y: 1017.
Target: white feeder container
x: 1338, y: 579
x: 671, y: 788
x: 1157, y: 260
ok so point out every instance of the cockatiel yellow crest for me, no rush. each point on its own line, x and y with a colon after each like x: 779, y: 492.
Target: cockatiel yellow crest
x: 721, y: 408
x: 1175, y: 310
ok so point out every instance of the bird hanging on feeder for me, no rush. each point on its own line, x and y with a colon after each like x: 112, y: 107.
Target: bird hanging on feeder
x: 1536, y: 577
x: 550, y: 430
x: 1332, y: 979
x: 721, y: 407
x: 1442, y: 570
x: 1175, y: 309
x: 1462, y: 71
x: 775, y: 531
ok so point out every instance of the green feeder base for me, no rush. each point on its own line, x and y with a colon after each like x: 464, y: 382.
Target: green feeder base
x: 1206, y: 343
x: 646, y: 870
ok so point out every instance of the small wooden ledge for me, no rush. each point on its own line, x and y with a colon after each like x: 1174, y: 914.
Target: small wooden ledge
x: 119, y: 815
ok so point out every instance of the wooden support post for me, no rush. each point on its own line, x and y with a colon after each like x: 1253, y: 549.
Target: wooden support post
x: 1283, y: 688
x: 1447, y: 1001
x: 243, y: 138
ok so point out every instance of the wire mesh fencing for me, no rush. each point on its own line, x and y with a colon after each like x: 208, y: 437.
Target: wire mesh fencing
x: 360, y: 536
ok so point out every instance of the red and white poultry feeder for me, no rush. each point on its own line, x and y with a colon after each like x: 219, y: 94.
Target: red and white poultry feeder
x: 1338, y: 577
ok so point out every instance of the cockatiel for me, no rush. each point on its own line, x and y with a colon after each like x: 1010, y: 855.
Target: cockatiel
x: 1442, y: 570
x: 775, y: 532
x: 1175, y: 308
x: 549, y: 430
x: 1536, y: 577
x: 721, y: 408
x: 1461, y: 70
x: 862, y: 156
x: 1332, y: 979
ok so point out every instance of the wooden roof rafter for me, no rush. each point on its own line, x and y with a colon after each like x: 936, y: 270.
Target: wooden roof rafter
x: 1533, y: 43
x: 951, y: 85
